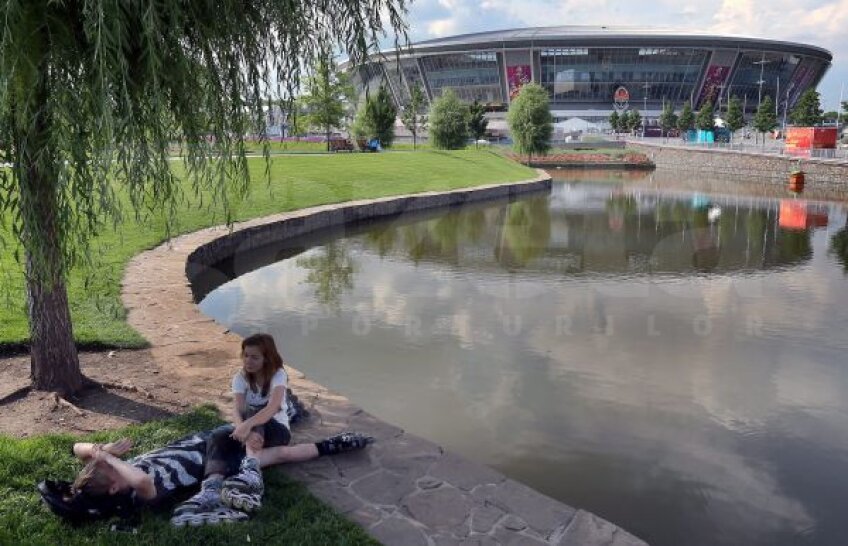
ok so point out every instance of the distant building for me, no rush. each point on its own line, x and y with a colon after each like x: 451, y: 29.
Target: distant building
x: 591, y: 71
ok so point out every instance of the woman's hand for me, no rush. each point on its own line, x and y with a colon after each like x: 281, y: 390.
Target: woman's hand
x: 120, y: 447
x: 241, y: 432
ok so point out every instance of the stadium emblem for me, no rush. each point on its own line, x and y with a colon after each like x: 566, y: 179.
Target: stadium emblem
x: 621, y: 98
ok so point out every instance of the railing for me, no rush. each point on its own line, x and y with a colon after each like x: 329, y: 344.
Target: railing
x: 769, y: 147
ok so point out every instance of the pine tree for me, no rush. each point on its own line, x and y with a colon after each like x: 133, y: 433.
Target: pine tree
x: 668, y: 119
x: 613, y: 121
x: 624, y: 122
x: 634, y: 121
x: 735, y: 117
x: 765, y: 119
x: 477, y: 121
x: 706, y: 119
x: 686, y: 121
x: 808, y: 112
x: 381, y: 114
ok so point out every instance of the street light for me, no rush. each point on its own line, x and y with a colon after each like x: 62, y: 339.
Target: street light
x: 762, y: 64
x: 645, y: 107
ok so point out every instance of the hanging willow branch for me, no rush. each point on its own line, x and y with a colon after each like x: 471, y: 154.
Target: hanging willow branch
x: 97, y: 91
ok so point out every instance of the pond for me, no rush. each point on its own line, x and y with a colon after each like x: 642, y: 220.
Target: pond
x: 672, y: 361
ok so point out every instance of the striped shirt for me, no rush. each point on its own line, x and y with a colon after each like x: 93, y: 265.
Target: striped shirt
x: 174, y: 467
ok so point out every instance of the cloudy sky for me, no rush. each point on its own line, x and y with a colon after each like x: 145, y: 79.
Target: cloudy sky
x: 818, y: 22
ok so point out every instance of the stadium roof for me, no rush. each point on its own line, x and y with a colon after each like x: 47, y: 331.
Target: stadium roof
x: 608, y: 36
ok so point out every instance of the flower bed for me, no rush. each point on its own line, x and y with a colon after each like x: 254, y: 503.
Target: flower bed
x: 587, y: 158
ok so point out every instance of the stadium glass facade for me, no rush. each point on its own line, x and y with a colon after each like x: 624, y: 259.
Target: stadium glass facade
x: 582, y: 68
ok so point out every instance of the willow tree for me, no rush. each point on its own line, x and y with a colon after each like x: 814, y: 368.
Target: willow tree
x: 95, y: 93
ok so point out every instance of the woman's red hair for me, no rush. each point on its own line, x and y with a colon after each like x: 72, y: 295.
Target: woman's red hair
x: 271, y: 360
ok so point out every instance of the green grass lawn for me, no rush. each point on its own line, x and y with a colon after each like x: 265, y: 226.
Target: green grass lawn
x: 290, y: 515
x: 277, y: 147
x: 297, y: 181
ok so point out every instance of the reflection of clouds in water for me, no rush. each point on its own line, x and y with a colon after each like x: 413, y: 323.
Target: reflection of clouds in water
x: 808, y: 385
x: 247, y: 296
x: 623, y: 408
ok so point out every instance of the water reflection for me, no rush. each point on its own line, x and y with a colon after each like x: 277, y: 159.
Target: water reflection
x: 330, y: 270
x: 839, y: 247
x: 672, y: 361
x: 631, y: 235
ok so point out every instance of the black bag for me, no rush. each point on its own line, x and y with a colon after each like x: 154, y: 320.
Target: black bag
x: 77, y: 507
x: 295, y: 409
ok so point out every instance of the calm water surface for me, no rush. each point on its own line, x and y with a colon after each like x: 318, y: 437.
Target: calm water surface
x: 674, y: 362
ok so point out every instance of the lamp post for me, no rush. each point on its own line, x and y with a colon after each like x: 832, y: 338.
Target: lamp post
x: 645, y: 107
x: 763, y: 62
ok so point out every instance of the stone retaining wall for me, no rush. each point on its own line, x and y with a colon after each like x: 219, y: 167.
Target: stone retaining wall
x: 274, y: 230
x: 825, y: 178
x: 403, y: 490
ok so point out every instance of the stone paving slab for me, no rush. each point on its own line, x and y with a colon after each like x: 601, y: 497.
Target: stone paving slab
x: 404, y: 490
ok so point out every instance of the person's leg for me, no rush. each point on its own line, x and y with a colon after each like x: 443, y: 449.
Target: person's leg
x: 340, y: 443
x: 297, y: 453
x: 244, y: 489
x: 223, y: 455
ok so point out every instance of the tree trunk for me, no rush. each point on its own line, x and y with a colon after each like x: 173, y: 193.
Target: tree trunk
x: 54, y: 363
x: 328, y: 139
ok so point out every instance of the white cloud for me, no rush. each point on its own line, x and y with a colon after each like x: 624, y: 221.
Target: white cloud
x: 443, y: 27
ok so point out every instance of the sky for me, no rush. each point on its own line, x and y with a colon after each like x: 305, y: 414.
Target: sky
x: 821, y: 23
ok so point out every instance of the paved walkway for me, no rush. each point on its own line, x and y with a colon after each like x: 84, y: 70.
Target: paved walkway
x: 404, y: 490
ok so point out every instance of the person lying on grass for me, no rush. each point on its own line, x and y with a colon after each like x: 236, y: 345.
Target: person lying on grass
x: 108, y: 485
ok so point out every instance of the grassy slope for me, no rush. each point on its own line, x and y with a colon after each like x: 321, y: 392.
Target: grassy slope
x: 289, y: 516
x: 297, y: 181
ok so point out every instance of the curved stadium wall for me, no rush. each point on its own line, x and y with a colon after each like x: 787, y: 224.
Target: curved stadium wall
x: 591, y: 71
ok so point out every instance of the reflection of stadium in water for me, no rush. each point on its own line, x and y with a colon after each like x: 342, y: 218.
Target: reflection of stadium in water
x: 597, y: 229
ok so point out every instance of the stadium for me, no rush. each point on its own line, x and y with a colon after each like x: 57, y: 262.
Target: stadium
x: 591, y: 71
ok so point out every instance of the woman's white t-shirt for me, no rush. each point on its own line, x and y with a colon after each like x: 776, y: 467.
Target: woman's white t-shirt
x: 254, y: 399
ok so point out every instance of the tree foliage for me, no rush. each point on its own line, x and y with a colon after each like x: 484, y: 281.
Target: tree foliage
x: 328, y: 92
x: 97, y: 91
x: 380, y: 116
x: 686, y: 121
x: 624, y: 121
x: 668, y: 119
x: 448, y: 122
x: 614, y: 119
x: 705, y: 121
x: 808, y: 112
x: 765, y: 119
x: 634, y: 120
x: 477, y: 121
x: 735, y: 118
x: 530, y: 120
x: 413, y: 115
